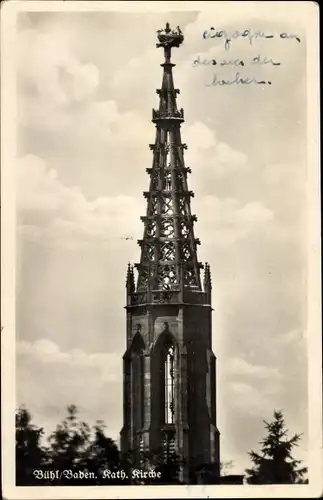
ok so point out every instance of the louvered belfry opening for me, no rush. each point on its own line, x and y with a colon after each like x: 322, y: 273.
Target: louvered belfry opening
x: 168, y: 307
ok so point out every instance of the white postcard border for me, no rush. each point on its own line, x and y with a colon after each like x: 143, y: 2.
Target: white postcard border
x: 308, y: 11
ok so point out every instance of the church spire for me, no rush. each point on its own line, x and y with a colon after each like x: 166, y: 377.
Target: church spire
x: 169, y: 367
x: 168, y: 248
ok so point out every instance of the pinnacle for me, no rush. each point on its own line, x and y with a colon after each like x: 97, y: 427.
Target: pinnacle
x: 130, y: 279
x: 207, y: 274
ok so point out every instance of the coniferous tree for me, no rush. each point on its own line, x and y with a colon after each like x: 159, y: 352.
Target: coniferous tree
x: 275, y: 464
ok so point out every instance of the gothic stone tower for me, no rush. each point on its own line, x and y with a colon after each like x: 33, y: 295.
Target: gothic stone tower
x: 169, y: 366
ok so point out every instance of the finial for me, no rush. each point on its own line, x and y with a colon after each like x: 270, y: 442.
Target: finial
x: 169, y: 38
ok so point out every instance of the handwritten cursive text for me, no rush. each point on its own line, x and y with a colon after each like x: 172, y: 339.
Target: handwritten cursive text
x: 214, y: 62
x: 251, y: 35
x: 233, y: 62
x: 238, y: 80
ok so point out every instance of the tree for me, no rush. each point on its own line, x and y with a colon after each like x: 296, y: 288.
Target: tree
x: 75, y: 447
x: 225, y: 467
x: 30, y: 455
x: 68, y: 444
x: 207, y: 473
x: 275, y: 464
x: 168, y: 466
x: 102, y: 455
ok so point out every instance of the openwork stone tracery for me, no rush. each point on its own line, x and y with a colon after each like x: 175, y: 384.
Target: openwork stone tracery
x: 168, y: 238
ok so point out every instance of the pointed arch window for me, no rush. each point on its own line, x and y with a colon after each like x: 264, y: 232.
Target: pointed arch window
x: 138, y: 383
x: 169, y: 382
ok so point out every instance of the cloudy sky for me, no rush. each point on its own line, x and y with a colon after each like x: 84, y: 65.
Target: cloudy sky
x: 86, y: 85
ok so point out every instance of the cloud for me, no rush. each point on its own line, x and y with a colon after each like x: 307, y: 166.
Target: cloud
x: 295, y: 338
x: 239, y: 367
x: 46, y: 66
x: 65, y: 378
x: 227, y: 221
x: 46, y: 351
x: 45, y: 203
x: 251, y: 400
x: 215, y: 159
x: 252, y: 388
